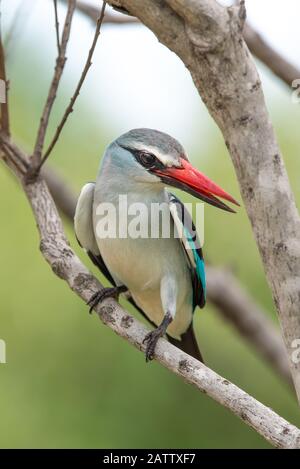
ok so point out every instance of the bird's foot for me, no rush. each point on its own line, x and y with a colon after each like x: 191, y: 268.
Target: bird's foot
x: 151, y: 340
x: 101, y: 295
x: 152, y: 337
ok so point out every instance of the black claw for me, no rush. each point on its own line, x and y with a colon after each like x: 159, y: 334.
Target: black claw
x: 94, y: 300
x: 152, y: 337
x: 101, y: 295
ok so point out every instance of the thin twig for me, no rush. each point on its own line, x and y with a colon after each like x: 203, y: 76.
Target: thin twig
x: 12, y: 161
x: 6, y: 154
x: 279, y: 65
x: 64, y: 197
x: 4, y: 124
x: 56, y: 26
x: 250, y: 320
x: 13, y: 152
x: 69, y: 109
x: 60, y: 63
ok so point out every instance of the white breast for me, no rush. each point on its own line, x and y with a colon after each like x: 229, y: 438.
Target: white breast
x: 141, y: 264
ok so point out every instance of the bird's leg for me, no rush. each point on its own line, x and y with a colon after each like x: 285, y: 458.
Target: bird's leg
x: 153, y: 336
x: 104, y: 293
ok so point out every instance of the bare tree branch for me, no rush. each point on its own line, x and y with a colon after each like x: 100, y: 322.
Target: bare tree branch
x: 4, y: 123
x: 69, y: 108
x: 56, y: 26
x: 65, y: 264
x: 208, y: 38
x: 237, y: 307
x: 278, y: 64
x: 64, y: 198
x: 59, y: 67
x: 16, y: 158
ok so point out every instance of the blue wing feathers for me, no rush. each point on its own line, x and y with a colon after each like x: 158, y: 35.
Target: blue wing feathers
x: 201, y: 273
x: 191, y: 245
x: 199, y: 262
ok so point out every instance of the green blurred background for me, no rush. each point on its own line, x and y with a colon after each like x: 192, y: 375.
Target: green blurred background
x: 68, y: 380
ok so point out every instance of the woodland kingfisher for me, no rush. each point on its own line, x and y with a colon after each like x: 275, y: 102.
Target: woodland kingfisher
x: 163, y: 277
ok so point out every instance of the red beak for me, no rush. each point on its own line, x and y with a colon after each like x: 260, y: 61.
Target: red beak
x: 193, y: 181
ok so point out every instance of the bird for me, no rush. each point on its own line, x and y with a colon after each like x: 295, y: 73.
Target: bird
x: 163, y: 277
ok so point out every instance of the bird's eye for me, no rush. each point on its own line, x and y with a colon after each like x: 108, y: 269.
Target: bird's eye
x: 147, y: 159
